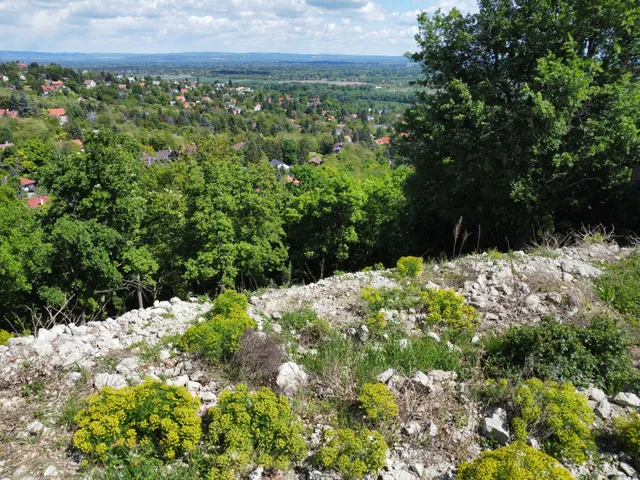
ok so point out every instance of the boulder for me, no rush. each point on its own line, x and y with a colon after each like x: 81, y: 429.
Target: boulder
x: 495, y: 428
x: 627, y: 399
x: 291, y: 377
x: 109, y: 380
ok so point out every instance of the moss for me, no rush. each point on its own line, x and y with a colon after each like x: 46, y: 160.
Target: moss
x: 518, y: 461
x: 352, y: 454
x: 156, y: 419
x: 409, y: 266
x: 378, y: 402
x: 252, y: 429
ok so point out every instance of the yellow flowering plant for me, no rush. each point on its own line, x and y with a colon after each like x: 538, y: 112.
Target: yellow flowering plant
x: 517, y: 461
x: 378, y: 402
x: 4, y: 337
x: 252, y: 429
x: 154, y: 418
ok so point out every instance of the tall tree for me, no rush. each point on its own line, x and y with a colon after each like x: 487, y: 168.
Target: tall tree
x: 535, y: 123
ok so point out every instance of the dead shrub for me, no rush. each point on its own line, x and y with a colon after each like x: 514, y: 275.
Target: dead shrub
x: 258, y: 358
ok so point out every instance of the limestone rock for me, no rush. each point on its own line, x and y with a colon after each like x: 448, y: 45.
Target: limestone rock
x: 291, y: 377
x: 627, y: 399
x: 495, y: 428
x: 109, y: 380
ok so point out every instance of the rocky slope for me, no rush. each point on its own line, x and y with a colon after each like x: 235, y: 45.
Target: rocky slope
x: 39, y: 373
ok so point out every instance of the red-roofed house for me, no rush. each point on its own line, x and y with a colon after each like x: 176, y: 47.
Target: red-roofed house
x: 27, y: 184
x: 122, y: 86
x: 5, y: 145
x: 47, y: 89
x: 143, y: 84
x: 238, y: 146
x: 383, y: 141
x: 184, y: 90
x: 57, y: 112
x: 258, y: 107
x: 180, y: 98
x: 22, y: 65
x: 90, y: 83
x: 35, y: 202
x: 9, y: 113
x: 57, y: 85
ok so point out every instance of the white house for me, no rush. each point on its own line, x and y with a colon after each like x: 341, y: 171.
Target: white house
x: 90, y: 83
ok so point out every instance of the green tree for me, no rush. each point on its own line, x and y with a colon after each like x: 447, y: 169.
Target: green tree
x: 290, y: 151
x: 536, y: 116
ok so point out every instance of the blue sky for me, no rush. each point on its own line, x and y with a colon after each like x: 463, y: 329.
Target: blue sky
x: 375, y: 27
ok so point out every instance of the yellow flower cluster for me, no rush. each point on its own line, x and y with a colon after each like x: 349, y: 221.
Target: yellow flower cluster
x: 409, y: 266
x: 378, y: 402
x: 158, y: 419
x: 518, y: 461
x: 446, y: 308
x: 253, y: 429
x: 352, y: 454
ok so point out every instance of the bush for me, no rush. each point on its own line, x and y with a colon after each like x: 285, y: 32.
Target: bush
x: 376, y: 299
x: 258, y: 357
x: 627, y: 429
x: 219, y: 337
x: 156, y: 419
x: 377, y: 323
x: 253, y: 429
x: 378, y: 403
x: 4, y: 337
x: 551, y: 350
x: 518, y: 461
x: 619, y: 286
x: 558, y: 417
x: 446, y: 308
x: 352, y: 454
x: 227, y: 302
x: 409, y: 266
x: 299, y: 319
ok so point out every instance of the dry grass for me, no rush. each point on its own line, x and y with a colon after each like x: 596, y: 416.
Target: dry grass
x: 258, y: 358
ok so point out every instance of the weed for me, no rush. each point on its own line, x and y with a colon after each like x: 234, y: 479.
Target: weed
x: 299, y: 319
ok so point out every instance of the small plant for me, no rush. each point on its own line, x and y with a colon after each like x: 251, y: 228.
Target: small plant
x: 156, y: 419
x: 299, y: 319
x: 253, y: 429
x: 229, y: 301
x: 4, y: 337
x: 558, y: 417
x: 619, y: 286
x: 518, y: 461
x: 378, y: 402
x: 409, y: 267
x: 377, y: 323
x: 376, y: 299
x: 68, y: 412
x: 447, y: 309
x: 33, y: 388
x: 352, y: 454
x: 627, y: 429
x: 218, y: 338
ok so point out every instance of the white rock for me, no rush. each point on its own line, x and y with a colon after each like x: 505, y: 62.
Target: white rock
x: 628, y: 470
x: 42, y: 348
x: 475, y: 339
x: 128, y: 365
x: 433, y: 429
x: 432, y: 286
x: 256, y: 474
x: 180, y: 381
x: 494, y: 428
x: 627, y: 399
x: 412, y: 428
x: 277, y: 328
x: 434, y: 335
x: 73, y: 377
x: 109, y: 380
x: 386, y: 375
x: 47, y: 335
x: 603, y: 410
x: 596, y: 394
x: 290, y: 378
x: 35, y: 427
x: 165, y: 355
x: 51, y: 472
x: 207, y: 397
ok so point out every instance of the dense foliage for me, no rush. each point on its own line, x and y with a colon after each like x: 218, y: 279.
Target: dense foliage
x: 627, y: 430
x: 352, y: 454
x: 596, y: 354
x: 378, y: 402
x: 620, y: 286
x: 536, y: 119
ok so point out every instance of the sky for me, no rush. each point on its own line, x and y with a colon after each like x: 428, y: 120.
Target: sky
x: 357, y: 27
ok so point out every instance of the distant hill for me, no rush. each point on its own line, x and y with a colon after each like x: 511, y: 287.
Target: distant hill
x: 92, y: 60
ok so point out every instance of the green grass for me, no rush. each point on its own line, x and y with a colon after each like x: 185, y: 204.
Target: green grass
x: 364, y: 362
x: 68, y: 412
x: 619, y: 286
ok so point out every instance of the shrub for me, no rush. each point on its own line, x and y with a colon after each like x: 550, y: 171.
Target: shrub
x: 299, y: 319
x: 558, y: 417
x: 448, y: 309
x: 597, y: 354
x: 253, y: 428
x: 627, y: 429
x: 409, y: 266
x: 619, y: 286
x: 517, y: 461
x: 376, y: 299
x: 157, y: 419
x: 258, y: 357
x: 352, y: 454
x: 4, y: 337
x: 217, y: 338
x: 377, y: 323
x: 378, y: 403
x: 228, y: 301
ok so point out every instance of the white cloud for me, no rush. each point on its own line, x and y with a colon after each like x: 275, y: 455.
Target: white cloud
x: 297, y: 26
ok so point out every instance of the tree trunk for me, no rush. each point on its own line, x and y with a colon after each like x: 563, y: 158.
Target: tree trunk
x: 140, y: 300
